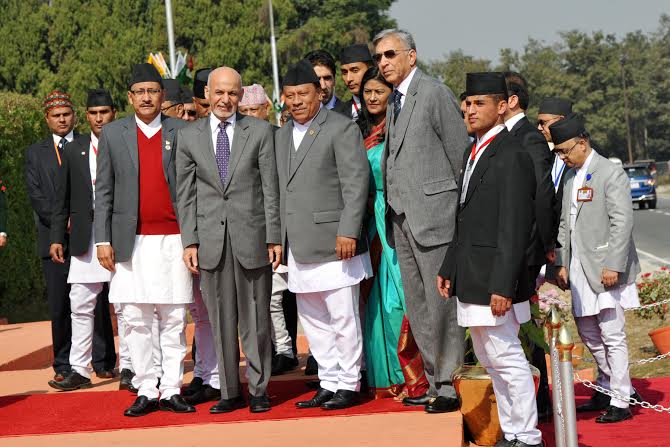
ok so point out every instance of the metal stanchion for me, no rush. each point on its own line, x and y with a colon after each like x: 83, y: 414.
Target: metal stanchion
x: 553, y: 324
x: 565, y: 345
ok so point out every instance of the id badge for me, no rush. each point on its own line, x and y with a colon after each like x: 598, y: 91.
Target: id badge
x: 584, y: 194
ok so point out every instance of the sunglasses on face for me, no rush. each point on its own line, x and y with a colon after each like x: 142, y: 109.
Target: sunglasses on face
x: 191, y: 112
x: 388, y: 54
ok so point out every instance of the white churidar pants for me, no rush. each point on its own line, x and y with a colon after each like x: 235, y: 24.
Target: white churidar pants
x: 206, y: 365
x: 83, y: 298
x: 499, y: 350
x: 333, y: 328
x: 124, y: 352
x: 280, y: 336
x: 140, y: 320
x: 605, y: 337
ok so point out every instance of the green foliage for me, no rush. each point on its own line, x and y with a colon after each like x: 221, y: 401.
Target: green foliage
x: 21, y: 286
x: 654, y: 288
x: 589, y: 69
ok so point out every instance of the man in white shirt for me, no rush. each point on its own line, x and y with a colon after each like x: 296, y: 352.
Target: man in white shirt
x: 597, y: 260
x: 323, y: 179
x: 486, y: 261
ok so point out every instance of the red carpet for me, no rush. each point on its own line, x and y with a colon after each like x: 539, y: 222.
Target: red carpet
x: 647, y: 428
x: 98, y: 411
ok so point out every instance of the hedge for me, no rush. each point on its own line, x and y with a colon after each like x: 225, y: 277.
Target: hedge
x: 22, y: 291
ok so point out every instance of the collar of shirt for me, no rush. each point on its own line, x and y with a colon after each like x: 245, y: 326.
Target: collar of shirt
x: 299, y: 131
x: 404, y: 85
x: 69, y: 137
x: 151, y: 129
x: 330, y: 104
x: 512, y: 121
x: 495, y: 130
x: 214, y: 122
x: 94, y: 140
x: 582, y: 171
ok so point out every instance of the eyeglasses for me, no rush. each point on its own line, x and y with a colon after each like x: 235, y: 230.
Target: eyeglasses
x: 542, y: 123
x: 169, y: 107
x: 388, y: 54
x: 562, y: 154
x: 144, y: 91
x: 191, y: 112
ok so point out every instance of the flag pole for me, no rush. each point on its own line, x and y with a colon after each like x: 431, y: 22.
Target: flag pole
x: 170, y: 30
x: 275, y: 68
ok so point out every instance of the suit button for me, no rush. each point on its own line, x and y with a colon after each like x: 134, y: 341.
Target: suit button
x: 223, y: 223
x: 225, y: 198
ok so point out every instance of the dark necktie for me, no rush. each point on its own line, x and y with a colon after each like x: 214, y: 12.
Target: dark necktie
x: 223, y: 151
x: 61, y: 146
x: 397, y: 105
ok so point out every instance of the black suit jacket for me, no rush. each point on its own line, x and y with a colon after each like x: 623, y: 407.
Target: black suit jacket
x: 344, y: 107
x: 74, y: 198
x: 488, y: 252
x: 545, y: 226
x: 41, y: 169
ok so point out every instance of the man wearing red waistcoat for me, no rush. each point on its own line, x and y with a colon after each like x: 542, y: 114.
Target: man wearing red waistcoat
x: 137, y: 238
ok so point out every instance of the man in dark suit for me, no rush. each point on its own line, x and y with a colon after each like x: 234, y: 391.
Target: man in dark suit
x: 199, y: 83
x: 3, y: 216
x: 545, y: 225
x: 228, y: 206
x: 43, y: 161
x: 73, y: 207
x: 421, y: 161
x: 354, y: 62
x: 486, y: 262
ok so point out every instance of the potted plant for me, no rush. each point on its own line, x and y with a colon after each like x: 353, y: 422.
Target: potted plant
x: 654, y: 288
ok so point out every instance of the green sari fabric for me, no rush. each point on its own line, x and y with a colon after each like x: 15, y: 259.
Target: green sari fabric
x: 386, y: 301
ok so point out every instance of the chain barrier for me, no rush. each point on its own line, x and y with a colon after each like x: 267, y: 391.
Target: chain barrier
x: 637, y: 362
x: 628, y: 399
x: 648, y: 306
x: 562, y: 304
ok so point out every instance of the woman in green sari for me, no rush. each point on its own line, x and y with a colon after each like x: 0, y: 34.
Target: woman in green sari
x: 385, y: 307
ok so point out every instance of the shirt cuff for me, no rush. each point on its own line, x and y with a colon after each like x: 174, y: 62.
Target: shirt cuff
x: 98, y: 244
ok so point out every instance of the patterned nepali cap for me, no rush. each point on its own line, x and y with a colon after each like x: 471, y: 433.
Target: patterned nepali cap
x: 56, y: 98
x: 254, y: 94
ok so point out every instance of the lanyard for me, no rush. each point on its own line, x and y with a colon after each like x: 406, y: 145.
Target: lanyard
x: 355, y: 105
x: 60, y: 163
x: 476, y: 150
x: 95, y: 149
x: 557, y: 178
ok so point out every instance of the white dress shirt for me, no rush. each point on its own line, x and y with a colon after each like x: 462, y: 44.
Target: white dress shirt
x: 93, y: 161
x: 322, y: 276
x: 330, y: 104
x: 404, y: 86
x: 355, y: 107
x: 151, y: 129
x: 477, y: 314
x: 230, y: 130
x: 69, y: 137
x: 510, y: 123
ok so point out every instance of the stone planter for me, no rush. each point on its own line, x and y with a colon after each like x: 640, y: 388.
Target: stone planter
x: 478, y: 403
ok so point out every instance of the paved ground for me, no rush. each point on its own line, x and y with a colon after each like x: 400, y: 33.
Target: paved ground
x: 652, y: 233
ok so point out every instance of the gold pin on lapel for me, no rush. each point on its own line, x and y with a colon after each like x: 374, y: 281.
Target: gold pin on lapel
x: 311, y: 132
x: 167, y: 145
x: 83, y: 153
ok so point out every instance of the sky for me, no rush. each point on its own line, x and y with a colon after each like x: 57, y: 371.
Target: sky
x: 441, y: 26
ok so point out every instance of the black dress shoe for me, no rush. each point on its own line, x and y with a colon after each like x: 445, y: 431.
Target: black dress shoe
x: 175, y: 404
x: 142, y: 405
x: 598, y: 402
x: 311, y: 368
x: 228, y: 405
x: 614, y: 414
x: 313, y: 384
x: 636, y: 396
x: 419, y: 401
x: 342, y: 399
x: 105, y: 374
x: 365, y: 387
x: 442, y: 404
x: 259, y: 404
x: 205, y: 394
x: 71, y: 382
x: 322, y: 396
x: 61, y: 375
x: 281, y: 364
x: 193, y: 387
x: 126, y: 381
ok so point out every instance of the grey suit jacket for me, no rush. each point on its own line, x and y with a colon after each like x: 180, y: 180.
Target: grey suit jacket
x: 427, y: 142
x: 117, y: 181
x: 247, y: 207
x: 604, y: 226
x: 324, y: 187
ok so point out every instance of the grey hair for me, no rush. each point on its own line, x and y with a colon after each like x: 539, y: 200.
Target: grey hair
x: 401, y: 34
